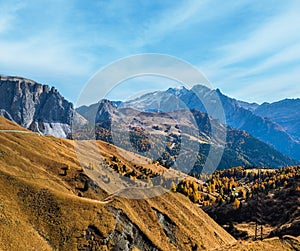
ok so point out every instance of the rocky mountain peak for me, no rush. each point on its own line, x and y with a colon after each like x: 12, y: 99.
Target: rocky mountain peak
x: 35, y: 106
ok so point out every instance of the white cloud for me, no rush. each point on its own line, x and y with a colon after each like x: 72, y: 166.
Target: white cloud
x: 183, y: 16
x: 275, y: 34
x: 288, y: 55
x: 24, y: 47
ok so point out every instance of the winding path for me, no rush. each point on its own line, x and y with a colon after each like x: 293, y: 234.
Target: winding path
x: 20, y: 131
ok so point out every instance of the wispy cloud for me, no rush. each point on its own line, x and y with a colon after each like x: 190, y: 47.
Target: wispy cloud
x: 270, y: 87
x: 37, y: 44
x: 273, y: 35
x: 236, y: 43
x: 264, y: 56
x: 41, y: 55
x: 8, y: 14
x: 157, y: 27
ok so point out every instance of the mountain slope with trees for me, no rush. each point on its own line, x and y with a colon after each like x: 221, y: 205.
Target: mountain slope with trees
x: 240, y: 115
x: 240, y: 147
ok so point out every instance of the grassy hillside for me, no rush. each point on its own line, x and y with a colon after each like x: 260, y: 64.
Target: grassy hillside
x: 46, y: 205
x: 40, y: 208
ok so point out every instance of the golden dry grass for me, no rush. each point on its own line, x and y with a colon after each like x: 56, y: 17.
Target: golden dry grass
x: 40, y: 209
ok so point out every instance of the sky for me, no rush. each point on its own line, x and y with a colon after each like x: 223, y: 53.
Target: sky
x: 248, y: 49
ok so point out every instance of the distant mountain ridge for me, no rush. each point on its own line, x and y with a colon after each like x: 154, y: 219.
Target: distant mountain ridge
x: 36, y: 107
x: 263, y: 128
x: 240, y: 115
x: 241, y: 149
x: 285, y: 113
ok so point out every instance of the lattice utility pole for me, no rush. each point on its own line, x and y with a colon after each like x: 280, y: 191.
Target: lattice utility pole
x: 259, y: 210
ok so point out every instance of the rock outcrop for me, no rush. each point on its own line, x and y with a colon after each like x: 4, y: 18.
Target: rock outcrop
x: 36, y: 107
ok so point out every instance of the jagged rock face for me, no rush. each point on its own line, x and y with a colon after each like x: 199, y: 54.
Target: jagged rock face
x: 35, y: 106
x: 105, y: 110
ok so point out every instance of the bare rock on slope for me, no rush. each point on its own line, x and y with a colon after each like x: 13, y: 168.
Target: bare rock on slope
x: 36, y: 107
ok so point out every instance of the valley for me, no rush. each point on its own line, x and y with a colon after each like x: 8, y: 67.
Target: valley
x: 137, y: 179
x: 149, y: 125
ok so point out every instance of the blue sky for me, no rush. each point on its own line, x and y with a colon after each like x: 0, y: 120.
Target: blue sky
x: 248, y: 49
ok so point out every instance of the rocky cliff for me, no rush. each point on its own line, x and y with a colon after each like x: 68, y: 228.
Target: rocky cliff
x: 36, y: 107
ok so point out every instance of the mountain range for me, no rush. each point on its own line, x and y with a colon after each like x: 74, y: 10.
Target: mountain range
x: 276, y: 124
x: 286, y: 113
x: 43, y: 109
x: 51, y: 199
x: 180, y: 135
